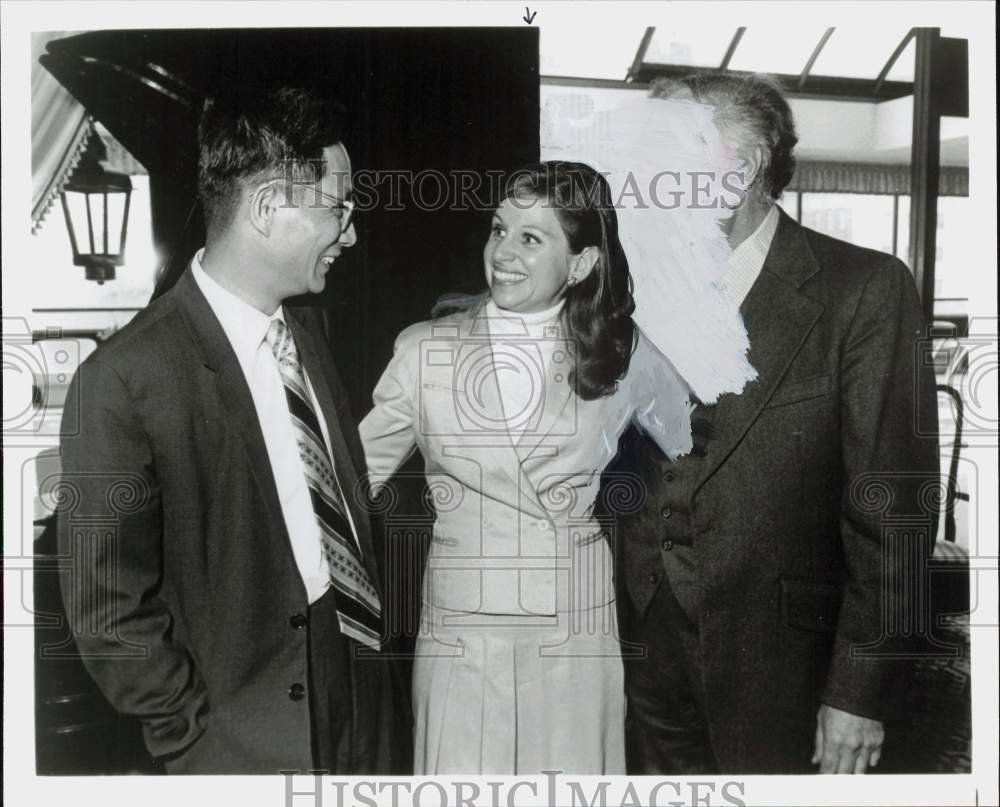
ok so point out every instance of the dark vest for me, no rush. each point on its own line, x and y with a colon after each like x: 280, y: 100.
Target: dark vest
x: 656, y: 532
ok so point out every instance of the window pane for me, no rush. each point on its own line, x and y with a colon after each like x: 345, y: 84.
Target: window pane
x: 765, y: 49
x: 902, y: 70
x: 701, y: 47
x: 955, y: 267
x: 858, y: 52
x: 903, y: 231
x: 858, y: 218
x: 789, y: 203
x: 608, y: 56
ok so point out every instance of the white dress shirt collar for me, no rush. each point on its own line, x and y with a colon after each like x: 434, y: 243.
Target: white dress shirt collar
x: 245, y: 326
x: 747, y: 260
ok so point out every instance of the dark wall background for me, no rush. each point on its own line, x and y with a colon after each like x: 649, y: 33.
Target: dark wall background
x: 442, y: 100
x: 420, y: 100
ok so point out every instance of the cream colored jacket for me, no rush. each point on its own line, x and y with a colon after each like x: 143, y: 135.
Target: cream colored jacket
x: 514, y: 530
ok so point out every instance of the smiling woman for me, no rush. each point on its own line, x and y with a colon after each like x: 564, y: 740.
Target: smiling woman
x: 527, y: 257
x: 555, y: 238
x: 516, y: 426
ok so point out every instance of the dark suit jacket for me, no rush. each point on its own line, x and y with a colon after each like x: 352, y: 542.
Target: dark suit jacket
x: 183, y: 586
x: 813, y: 512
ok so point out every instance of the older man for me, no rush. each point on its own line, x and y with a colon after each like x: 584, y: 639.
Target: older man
x: 233, y: 606
x: 761, y: 585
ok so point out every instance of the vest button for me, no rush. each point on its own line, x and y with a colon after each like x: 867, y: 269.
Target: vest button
x: 654, y: 578
x: 296, y: 692
x: 669, y: 476
x: 666, y: 512
x: 667, y: 544
x: 298, y: 621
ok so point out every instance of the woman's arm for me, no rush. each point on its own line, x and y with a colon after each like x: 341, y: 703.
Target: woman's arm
x: 660, y: 399
x: 388, y: 432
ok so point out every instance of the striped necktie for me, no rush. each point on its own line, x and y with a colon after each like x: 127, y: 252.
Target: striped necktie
x: 358, y: 607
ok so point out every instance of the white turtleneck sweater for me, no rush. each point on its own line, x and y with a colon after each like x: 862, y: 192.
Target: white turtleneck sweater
x: 523, y: 345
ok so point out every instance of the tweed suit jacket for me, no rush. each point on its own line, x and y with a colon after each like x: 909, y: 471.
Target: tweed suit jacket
x: 812, y: 513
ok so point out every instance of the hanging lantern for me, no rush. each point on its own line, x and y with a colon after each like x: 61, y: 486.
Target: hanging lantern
x: 95, y: 202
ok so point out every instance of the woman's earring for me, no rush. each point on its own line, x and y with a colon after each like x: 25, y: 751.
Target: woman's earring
x: 571, y: 281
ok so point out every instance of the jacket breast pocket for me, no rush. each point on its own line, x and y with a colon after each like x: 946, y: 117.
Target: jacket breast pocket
x: 439, y: 388
x: 810, y: 605
x: 805, y: 389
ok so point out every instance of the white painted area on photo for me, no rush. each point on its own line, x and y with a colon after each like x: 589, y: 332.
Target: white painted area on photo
x: 667, y: 167
x: 588, y: 33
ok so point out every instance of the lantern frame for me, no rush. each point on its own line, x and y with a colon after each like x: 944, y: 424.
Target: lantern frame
x: 96, y: 184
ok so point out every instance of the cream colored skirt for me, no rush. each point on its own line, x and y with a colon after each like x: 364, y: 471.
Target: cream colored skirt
x: 516, y: 695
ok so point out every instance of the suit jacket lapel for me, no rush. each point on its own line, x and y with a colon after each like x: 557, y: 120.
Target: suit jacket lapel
x: 557, y: 395
x: 219, y: 358
x: 778, y: 319
x: 484, y: 395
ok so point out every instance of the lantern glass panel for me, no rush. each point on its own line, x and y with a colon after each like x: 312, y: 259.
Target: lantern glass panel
x: 116, y: 213
x: 77, y: 204
x: 96, y: 222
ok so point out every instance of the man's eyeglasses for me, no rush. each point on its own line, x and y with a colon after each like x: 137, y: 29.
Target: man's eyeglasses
x: 343, y: 209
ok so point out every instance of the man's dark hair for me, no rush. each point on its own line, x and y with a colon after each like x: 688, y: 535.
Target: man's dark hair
x: 254, y: 135
x: 750, y: 109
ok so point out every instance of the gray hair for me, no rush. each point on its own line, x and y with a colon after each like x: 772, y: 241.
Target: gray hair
x: 750, y: 109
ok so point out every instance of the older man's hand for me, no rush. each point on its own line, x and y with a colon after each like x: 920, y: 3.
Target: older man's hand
x: 846, y: 743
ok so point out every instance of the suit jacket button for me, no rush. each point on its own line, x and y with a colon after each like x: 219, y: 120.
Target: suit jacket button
x: 669, y: 476
x: 654, y: 578
x: 666, y: 512
x: 667, y: 544
x: 298, y: 621
x: 296, y: 692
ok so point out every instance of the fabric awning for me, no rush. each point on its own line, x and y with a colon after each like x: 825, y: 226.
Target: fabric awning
x: 59, y: 131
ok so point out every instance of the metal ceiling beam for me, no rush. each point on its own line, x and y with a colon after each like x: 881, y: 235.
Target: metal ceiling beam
x: 815, y: 55
x: 731, y: 50
x: 640, y: 54
x: 880, y: 80
x: 834, y: 88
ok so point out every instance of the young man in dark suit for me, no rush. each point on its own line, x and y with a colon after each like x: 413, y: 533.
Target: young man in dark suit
x: 233, y: 604
x: 762, y: 581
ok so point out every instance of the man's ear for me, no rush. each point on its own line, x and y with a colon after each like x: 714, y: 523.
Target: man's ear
x: 583, y: 264
x: 264, y: 202
x: 752, y: 166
